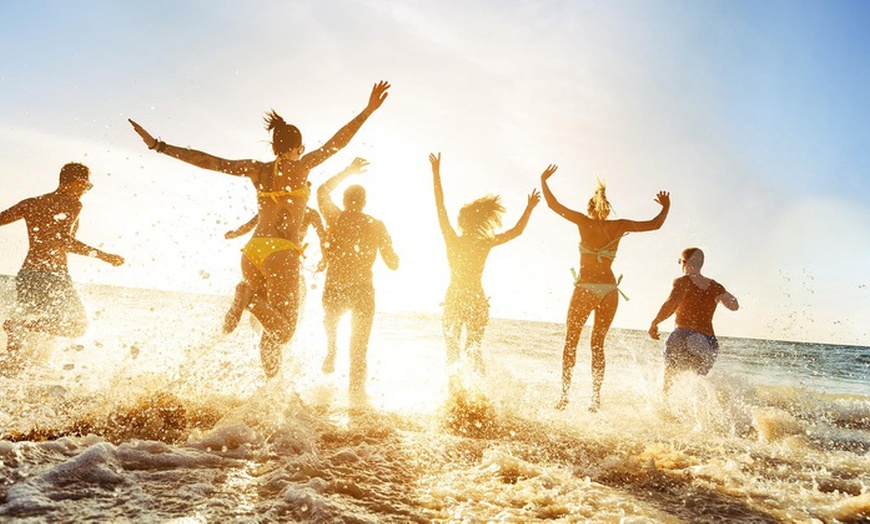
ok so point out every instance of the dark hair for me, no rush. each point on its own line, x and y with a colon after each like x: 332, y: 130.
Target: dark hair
x: 72, y: 171
x: 354, y: 197
x: 284, y: 136
x: 694, y: 257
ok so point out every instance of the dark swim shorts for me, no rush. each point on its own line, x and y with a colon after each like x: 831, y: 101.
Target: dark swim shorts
x: 48, y: 302
x: 690, y: 350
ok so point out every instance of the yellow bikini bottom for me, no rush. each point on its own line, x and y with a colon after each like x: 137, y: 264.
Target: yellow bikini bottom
x: 258, y: 249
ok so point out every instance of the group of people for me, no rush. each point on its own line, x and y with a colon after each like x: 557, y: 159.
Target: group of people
x: 271, y: 261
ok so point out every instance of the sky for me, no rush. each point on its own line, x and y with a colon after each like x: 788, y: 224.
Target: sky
x: 754, y: 115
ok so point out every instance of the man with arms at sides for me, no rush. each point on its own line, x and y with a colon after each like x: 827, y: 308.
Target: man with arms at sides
x: 353, y: 241
x: 692, y: 345
x: 47, y: 301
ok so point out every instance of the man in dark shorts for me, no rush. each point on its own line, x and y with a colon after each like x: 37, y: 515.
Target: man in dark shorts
x: 47, y: 301
x: 692, y: 346
x: 353, y: 241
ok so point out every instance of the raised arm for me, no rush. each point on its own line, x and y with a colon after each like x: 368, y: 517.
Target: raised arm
x: 517, y: 230
x: 343, y: 136
x: 663, y: 198
x: 446, y: 229
x: 243, y: 229
x: 667, y: 309
x: 197, y: 158
x: 328, y: 209
x: 552, y: 203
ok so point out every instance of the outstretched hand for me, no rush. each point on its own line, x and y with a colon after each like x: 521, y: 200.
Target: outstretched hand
x: 379, y: 94
x: 435, y: 161
x: 549, y: 172
x: 534, y: 199
x: 149, y: 140
x: 663, y: 198
x: 358, y: 166
x: 115, y: 260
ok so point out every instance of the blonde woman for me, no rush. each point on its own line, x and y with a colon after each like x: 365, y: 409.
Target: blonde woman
x: 596, y: 287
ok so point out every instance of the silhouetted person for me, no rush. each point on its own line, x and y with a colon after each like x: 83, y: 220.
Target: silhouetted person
x: 692, y: 345
x: 595, y: 289
x: 466, y: 305
x: 243, y: 294
x: 353, y: 242
x: 47, y: 301
x: 271, y: 258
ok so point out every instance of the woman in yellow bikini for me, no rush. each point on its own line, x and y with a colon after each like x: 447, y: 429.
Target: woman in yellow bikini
x: 271, y: 258
x: 595, y: 288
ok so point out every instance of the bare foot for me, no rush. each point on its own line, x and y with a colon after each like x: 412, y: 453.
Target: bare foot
x: 241, y: 300
x: 562, y: 403
x: 595, y: 404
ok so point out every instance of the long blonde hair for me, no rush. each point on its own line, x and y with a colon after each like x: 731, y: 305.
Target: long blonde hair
x: 482, y: 216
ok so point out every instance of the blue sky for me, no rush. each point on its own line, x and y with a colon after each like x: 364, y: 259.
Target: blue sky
x: 753, y: 114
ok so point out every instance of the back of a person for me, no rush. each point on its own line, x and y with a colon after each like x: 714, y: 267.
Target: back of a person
x: 354, y: 241
x: 696, y: 310
x: 466, y: 255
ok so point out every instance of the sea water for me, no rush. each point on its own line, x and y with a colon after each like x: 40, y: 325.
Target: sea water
x: 154, y: 415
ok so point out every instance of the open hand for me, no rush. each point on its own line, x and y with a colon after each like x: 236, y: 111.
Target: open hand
x: 663, y: 198
x: 149, y: 140
x: 379, y: 94
x: 549, y: 171
x: 534, y: 199
x: 435, y: 161
x: 358, y: 166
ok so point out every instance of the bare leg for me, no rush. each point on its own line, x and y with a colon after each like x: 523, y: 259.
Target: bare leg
x: 362, y: 316
x: 473, y: 343
x: 279, y: 312
x: 604, y: 314
x: 241, y: 300
x: 582, y: 302
x: 12, y: 362
x: 452, y: 329
x: 332, y: 312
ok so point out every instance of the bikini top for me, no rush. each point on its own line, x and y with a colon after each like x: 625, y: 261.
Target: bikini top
x: 601, y: 252
x: 304, y: 191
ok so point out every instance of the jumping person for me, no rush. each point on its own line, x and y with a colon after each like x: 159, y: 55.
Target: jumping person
x: 271, y: 258
x: 692, y: 345
x: 466, y: 305
x: 353, y: 242
x: 47, y: 301
x: 595, y: 288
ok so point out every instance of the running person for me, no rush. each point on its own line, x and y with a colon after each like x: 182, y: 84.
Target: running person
x: 271, y: 258
x: 353, y: 242
x: 595, y: 288
x: 47, y: 302
x: 242, y: 297
x: 692, y: 345
x: 465, y: 304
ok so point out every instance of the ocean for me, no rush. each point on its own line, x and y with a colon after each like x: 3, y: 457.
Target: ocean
x: 155, y: 416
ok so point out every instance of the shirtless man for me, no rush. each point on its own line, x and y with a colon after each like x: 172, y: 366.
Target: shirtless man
x: 692, y: 345
x: 353, y: 241
x: 47, y: 301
